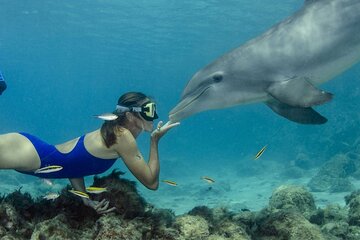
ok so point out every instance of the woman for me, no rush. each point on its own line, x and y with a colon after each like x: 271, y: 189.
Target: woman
x: 94, y: 152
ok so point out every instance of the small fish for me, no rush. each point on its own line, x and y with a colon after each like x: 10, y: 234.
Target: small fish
x: 171, y: 183
x: 208, y: 179
x: 49, y: 169
x: 107, y: 116
x: 260, y: 152
x: 79, y: 193
x: 51, y: 196
x: 47, y: 182
x: 96, y: 190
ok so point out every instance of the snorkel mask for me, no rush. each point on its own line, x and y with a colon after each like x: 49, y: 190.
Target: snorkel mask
x: 147, y: 110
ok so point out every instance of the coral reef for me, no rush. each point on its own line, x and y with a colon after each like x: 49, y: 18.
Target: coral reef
x: 303, y: 161
x: 192, y: 227
x: 291, y: 214
x: 333, y: 175
x: 353, y: 201
x: 122, y: 194
x: 224, y: 224
x: 55, y: 228
x: 294, y: 198
x: 286, y: 224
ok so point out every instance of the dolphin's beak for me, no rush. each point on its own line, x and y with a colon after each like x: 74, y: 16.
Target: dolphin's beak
x: 187, y: 106
x: 177, y: 113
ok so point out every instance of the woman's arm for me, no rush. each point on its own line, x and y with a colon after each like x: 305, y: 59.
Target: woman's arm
x: 78, y: 184
x: 146, y: 173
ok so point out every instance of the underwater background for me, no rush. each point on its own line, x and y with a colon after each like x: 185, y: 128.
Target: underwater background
x: 65, y: 61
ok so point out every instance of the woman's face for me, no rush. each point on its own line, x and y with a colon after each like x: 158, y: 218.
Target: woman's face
x: 147, y: 125
x: 142, y: 124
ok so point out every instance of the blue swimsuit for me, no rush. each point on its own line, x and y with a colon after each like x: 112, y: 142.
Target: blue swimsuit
x: 77, y: 163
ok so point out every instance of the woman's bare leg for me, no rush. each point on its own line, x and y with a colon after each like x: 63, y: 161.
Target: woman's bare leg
x: 17, y: 152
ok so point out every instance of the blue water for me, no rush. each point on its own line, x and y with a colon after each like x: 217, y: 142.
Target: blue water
x: 65, y: 61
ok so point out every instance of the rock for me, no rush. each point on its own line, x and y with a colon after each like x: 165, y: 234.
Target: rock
x: 333, y: 175
x: 330, y: 214
x: 338, y: 229
x: 353, y: 233
x: 54, y: 229
x: 245, y: 218
x: 286, y: 224
x: 111, y: 227
x: 303, y: 161
x: 354, y: 211
x: 289, y: 197
x: 192, y: 227
x: 9, y: 218
x: 232, y: 231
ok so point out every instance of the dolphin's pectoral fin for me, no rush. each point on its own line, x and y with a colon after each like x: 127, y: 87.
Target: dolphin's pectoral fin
x: 296, y: 114
x: 298, y: 92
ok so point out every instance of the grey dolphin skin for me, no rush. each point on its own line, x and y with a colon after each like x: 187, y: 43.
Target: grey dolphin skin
x: 283, y: 66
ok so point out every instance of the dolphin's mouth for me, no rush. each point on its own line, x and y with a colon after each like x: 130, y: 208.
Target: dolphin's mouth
x: 184, y: 104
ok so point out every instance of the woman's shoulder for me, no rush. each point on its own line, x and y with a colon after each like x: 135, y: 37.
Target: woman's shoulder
x: 123, y: 135
x: 125, y: 141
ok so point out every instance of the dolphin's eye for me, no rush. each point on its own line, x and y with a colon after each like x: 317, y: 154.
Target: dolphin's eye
x: 217, y: 77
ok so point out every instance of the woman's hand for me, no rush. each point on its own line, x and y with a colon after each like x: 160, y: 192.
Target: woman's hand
x: 161, y: 130
x: 99, y: 207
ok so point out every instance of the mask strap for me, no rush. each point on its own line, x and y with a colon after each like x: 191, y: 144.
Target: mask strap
x: 122, y: 109
x: 136, y: 109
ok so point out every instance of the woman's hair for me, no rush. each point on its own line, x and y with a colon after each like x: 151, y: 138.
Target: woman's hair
x: 108, y: 129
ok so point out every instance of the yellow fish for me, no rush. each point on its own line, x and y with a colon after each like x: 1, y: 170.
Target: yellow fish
x: 96, y: 190
x: 260, y: 152
x: 171, y: 183
x: 208, y: 179
x: 49, y: 169
x: 79, y: 193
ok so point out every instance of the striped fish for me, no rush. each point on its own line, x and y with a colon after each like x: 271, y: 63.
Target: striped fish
x: 79, y: 193
x: 96, y: 190
x: 208, y: 179
x: 49, y: 169
x: 171, y: 183
x: 262, y: 150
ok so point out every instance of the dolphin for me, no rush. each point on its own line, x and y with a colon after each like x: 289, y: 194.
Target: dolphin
x: 283, y: 66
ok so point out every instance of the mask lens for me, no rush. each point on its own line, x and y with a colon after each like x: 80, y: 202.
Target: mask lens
x: 149, y: 111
